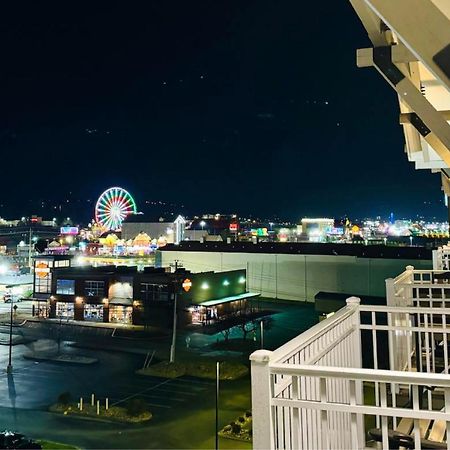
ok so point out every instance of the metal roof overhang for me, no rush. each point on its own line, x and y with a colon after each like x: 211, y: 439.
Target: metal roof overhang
x: 233, y: 298
x: 121, y: 301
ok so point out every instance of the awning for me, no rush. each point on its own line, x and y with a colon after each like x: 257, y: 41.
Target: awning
x: 233, y: 298
x: 121, y: 301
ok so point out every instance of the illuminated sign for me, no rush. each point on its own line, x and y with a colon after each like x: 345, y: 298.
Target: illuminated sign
x: 259, y: 232
x: 187, y: 284
x: 233, y: 227
x: 42, y: 269
x: 69, y: 230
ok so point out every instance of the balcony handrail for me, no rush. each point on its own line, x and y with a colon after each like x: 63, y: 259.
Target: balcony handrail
x: 302, y: 340
x: 382, y: 376
x: 406, y: 309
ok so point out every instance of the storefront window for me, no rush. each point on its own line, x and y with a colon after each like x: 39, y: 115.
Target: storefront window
x: 64, y: 310
x: 120, y: 314
x: 94, y: 288
x: 65, y: 287
x: 93, y: 312
x: 154, y: 292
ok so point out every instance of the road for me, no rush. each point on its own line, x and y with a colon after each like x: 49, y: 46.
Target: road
x: 24, y: 307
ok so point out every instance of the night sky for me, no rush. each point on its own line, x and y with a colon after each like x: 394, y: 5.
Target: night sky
x: 249, y: 106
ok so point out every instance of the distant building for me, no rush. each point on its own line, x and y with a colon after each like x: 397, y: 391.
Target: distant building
x: 298, y: 271
x: 168, y: 230
x: 316, y: 230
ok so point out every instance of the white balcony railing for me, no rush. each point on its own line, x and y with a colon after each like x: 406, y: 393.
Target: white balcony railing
x: 419, y: 288
x: 327, y: 387
x: 441, y: 258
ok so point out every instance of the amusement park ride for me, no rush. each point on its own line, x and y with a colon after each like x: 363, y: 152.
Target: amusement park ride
x: 112, y: 207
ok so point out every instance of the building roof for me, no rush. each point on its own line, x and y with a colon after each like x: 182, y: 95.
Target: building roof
x: 147, y: 218
x: 304, y: 248
x: 232, y: 298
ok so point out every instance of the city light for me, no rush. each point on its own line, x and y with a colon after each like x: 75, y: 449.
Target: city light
x: 204, y: 285
x: 226, y: 283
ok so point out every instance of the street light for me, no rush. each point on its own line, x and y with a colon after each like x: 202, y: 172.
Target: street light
x: 9, y: 368
x: 202, y: 224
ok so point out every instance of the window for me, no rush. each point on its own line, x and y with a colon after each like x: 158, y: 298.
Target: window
x: 64, y: 310
x: 43, y: 285
x: 63, y: 263
x: 94, y: 288
x: 154, y: 292
x: 93, y: 312
x: 65, y: 287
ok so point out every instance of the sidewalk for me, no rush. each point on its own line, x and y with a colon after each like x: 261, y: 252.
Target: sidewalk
x: 79, y: 323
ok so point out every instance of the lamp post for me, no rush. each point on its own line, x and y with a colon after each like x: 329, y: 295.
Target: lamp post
x: 9, y: 368
x: 217, y: 403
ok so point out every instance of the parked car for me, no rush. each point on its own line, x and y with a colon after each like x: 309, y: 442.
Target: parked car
x: 8, y: 298
x: 12, y: 440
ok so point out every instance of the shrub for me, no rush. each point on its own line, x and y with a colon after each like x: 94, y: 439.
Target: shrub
x: 248, y: 414
x: 227, y: 428
x: 241, y: 419
x: 235, y: 428
x: 136, y: 406
x: 65, y: 398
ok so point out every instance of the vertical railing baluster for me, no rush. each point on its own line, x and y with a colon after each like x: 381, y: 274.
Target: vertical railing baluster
x: 447, y: 410
x: 384, y: 418
x: 445, y: 342
x: 416, y: 408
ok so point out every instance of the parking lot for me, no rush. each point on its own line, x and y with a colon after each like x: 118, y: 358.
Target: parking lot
x: 181, y: 403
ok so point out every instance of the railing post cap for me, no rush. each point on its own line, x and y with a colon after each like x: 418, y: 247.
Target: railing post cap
x: 261, y: 356
x: 409, y: 267
x: 353, y: 301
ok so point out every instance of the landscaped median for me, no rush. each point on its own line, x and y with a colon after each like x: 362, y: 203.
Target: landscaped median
x: 51, y: 445
x: 228, y: 370
x: 134, y: 411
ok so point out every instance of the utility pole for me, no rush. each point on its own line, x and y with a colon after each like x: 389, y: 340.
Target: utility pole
x: 29, y: 249
x: 174, y: 330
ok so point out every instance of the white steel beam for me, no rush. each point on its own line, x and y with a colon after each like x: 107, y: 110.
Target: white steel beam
x: 423, y: 28
x: 428, y: 122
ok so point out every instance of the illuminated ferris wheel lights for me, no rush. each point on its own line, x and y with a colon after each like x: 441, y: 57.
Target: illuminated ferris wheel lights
x: 113, y: 206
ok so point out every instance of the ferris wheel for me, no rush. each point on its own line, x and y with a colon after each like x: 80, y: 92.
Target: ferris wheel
x: 113, y: 206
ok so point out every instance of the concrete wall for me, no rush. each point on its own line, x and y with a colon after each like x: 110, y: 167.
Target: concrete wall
x: 299, y: 277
